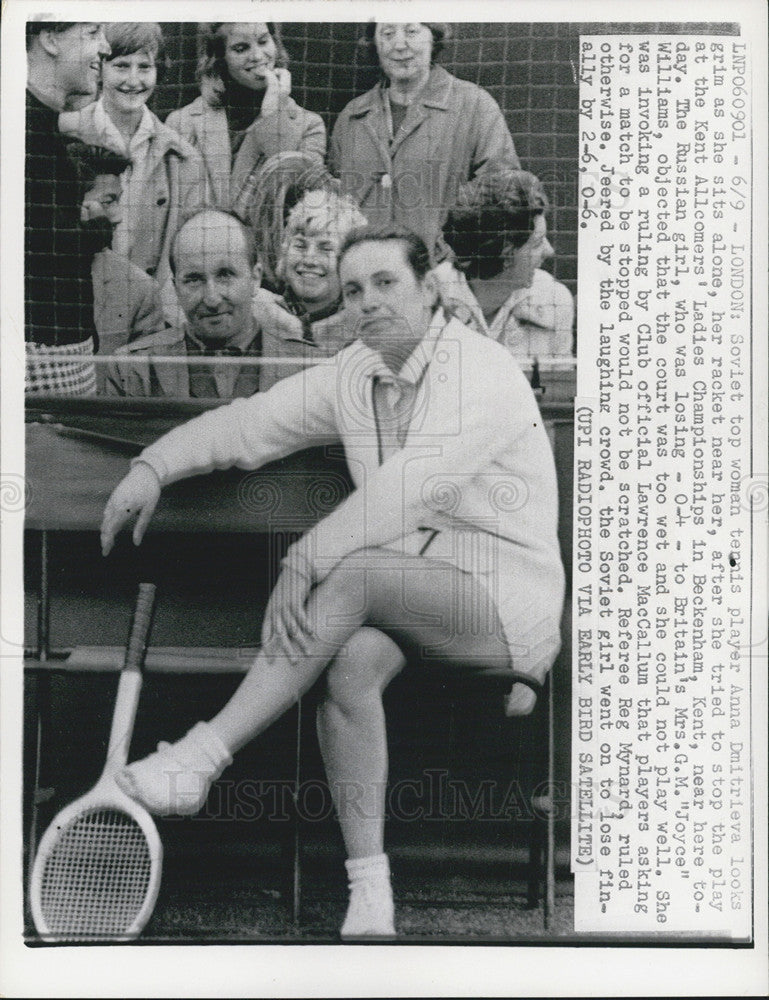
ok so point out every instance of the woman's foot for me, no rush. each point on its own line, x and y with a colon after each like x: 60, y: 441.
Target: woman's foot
x: 176, y: 779
x: 371, y: 911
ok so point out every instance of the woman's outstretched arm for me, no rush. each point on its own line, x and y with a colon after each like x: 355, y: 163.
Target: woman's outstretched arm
x: 296, y: 413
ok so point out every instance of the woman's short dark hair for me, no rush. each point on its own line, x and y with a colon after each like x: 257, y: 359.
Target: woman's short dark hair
x: 91, y: 162
x: 214, y: 45
x: 415, y: 250
x: 127, y: 37
x: 441, y: 34
x: 498, y: 207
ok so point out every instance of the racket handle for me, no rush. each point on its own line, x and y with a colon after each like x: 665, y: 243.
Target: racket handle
x: 137, y: 642
x: 130, y: 683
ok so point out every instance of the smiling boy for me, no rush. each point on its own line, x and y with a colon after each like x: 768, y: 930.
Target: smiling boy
x: 305, y: 322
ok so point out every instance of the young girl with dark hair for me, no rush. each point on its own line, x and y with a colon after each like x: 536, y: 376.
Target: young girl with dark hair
x: 245, y: 112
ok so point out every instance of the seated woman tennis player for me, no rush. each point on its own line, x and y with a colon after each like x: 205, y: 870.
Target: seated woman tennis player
x: 446, y: 550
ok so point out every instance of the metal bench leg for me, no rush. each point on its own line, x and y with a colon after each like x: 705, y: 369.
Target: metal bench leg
x: 549, y: 907
x: 536, y: 845
x: 296, y: 898
x: 542, y: 833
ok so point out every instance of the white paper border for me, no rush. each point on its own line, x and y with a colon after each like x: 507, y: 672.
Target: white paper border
x: 306, y: 970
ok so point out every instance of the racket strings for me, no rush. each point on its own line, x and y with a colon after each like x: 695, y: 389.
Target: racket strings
x: 97, y: 876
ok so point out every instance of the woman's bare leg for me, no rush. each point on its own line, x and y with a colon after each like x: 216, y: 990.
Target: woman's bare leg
x: 351, y: 721
x: 353, y: 737
x: 421, y: 604
x: 353, y: 741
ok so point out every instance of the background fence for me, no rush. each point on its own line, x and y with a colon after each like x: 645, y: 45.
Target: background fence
x: 530, y: 69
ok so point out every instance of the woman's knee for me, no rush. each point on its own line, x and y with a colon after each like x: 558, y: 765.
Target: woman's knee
x: 345, y: 585
x: 364, y: 580
x: 366, y: 665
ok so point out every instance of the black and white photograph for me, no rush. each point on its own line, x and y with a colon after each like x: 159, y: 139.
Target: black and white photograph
x: 384, y: 499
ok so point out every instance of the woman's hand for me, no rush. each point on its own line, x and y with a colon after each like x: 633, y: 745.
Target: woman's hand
x: 138, y: 494
x: 91, y: 209
x: 278, y: 87
x: 286, y: 623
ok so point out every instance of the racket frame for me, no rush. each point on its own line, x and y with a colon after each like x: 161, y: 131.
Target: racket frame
x: 106, y: 794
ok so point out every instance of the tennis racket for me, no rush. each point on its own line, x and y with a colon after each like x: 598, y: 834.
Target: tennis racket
x: 97, y: 871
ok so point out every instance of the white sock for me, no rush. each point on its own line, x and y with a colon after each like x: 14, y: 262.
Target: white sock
x: 209, y: 741
x: 370, y: 911
x: 176, y: 778
x: 375, y: 867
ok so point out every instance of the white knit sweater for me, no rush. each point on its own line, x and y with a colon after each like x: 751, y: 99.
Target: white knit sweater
x: 476, y: 463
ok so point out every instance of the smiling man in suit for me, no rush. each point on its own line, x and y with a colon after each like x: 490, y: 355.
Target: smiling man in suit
x: 216, y: 270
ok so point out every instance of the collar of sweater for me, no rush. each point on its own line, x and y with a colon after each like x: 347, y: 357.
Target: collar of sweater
x: 297, y: 308
x: 434, y: 94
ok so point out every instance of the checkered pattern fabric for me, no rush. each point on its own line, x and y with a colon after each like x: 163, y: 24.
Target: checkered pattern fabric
x: 62, y: 371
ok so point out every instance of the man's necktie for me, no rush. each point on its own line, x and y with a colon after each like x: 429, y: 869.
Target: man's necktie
x: 222, y: 352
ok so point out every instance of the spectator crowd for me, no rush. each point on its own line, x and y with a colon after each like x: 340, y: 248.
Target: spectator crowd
x: 197, y: 257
